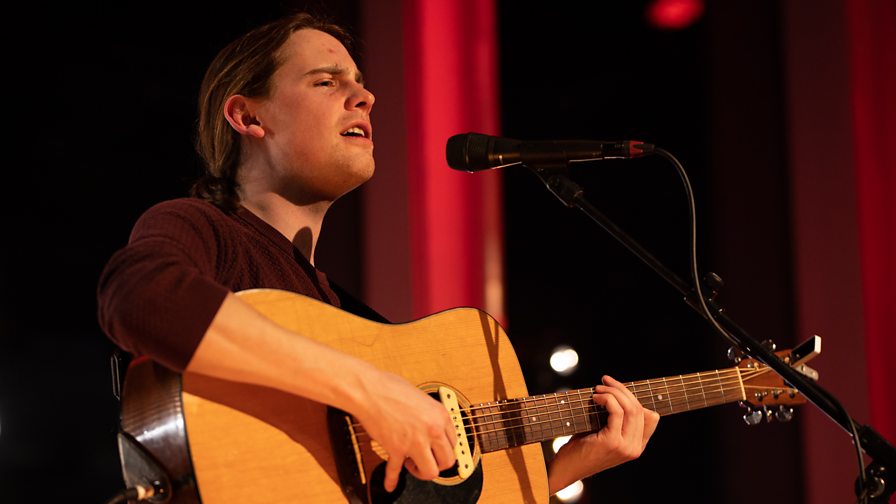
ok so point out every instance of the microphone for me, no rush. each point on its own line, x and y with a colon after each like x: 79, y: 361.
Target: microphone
x: 476, y: 152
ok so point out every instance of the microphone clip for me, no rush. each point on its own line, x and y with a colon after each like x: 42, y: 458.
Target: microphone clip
x: 556, y: 180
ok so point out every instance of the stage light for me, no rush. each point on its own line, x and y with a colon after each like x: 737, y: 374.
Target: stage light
x: 559, y: 442
x: 564, y: 360
x: 572, y: 493
x: 674, y: 14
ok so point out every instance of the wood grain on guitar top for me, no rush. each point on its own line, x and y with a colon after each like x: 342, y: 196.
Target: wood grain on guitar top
x: 251, y: 444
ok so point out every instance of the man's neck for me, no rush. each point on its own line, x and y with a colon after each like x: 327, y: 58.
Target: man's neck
x: 299, y: 223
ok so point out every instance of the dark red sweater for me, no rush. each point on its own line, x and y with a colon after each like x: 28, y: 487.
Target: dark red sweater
x: 158, y: 295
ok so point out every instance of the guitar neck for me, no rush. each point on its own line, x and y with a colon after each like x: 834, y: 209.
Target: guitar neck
x: 516, y: 422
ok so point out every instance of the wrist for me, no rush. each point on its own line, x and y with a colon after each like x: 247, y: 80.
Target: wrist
x: 560, y: 473
x: 352, y: 389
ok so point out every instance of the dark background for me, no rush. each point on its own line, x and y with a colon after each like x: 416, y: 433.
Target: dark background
x: 102, y: 116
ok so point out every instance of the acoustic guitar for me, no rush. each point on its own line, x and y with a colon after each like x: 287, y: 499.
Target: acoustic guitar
x: 225, y: 442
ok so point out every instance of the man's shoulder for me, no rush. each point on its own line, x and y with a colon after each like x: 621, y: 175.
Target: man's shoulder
x: 187, y: 215
x: 185, y: 209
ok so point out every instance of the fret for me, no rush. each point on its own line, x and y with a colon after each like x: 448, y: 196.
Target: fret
x: 495, y: 427
x: 529, y: 417
x: 702, y: 392
x: 514, y: 415
x: 568, y: 420
x: 721, y: 398
x: 687, y: 403
x: 670, y: 394
x: 665, y: 395
x: 579, y: 423
x: 546, y: 418
x: 534, y: 415
x: 553, y: 415
x: 635, y: 389
x: 563, y: 415
x: 652, y: 401
x: 657, y: 395
x: 526, y: 418
x: 542, y: 412
x: 590, y: 418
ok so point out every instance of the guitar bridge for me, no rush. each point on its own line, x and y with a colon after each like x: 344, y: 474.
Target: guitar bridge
x: 347, y: 455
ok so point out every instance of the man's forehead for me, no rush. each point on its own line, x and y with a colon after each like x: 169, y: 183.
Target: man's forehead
x: 315, y: 51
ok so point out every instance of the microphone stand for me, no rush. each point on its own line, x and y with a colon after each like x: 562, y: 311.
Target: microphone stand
x: 878, y: 477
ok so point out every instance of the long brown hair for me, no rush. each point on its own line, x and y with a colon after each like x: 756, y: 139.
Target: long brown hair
x: 245, y: 67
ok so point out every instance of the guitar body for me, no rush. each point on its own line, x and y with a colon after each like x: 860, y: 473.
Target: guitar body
x: 250, y: 444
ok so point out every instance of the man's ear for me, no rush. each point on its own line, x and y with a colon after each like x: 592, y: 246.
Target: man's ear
x: 240, y: 113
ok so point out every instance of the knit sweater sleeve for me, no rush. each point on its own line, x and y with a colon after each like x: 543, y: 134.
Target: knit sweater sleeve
x: 158, y: 295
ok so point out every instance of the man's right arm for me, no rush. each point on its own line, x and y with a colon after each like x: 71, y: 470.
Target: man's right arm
x: 158, y: 297
x: 243, y: 345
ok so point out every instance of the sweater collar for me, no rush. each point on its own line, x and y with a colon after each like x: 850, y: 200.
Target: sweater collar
x: 271, y: 233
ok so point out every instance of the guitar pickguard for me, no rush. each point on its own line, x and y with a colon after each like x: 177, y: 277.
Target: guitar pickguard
x: 411, y: 490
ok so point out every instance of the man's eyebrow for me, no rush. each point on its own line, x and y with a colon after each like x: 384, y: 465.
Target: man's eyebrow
x: 336, y: 70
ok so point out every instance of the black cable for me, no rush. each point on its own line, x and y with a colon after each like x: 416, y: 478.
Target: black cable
x: 695, y: 276
x: 123, y: 496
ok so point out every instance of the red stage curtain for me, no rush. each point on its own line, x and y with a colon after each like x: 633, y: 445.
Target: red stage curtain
x: 872, y: 52
x: 455, y: 217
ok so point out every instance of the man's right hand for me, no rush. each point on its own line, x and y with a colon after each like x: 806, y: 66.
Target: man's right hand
x: 414, y: 429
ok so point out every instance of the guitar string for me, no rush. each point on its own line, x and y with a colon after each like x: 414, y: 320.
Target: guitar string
x: 667, y: 389
x: 673, y: 400
x: 586, y: 412
x: 591, y: 410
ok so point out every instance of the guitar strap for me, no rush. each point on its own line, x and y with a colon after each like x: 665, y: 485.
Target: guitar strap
x: 354, y: 306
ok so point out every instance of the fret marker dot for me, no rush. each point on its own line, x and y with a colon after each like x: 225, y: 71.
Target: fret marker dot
x: 534, y: 419
x: 659, y: 396
x: 567, y: 424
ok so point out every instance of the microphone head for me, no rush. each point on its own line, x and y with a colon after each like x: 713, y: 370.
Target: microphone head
x: 462, y: 150
x: 475, y: 152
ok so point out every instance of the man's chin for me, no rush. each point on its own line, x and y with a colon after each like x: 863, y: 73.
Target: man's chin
x: 358, y: 178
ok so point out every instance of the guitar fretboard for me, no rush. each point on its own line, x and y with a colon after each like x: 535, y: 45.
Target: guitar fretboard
x: 517, y: 422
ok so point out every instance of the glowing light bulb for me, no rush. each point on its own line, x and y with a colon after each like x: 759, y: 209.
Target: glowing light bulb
x: 572, y: 493
x: 559, y: 442
x: 564, y: 360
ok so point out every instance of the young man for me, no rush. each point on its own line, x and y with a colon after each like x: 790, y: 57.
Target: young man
x: 284, y: 130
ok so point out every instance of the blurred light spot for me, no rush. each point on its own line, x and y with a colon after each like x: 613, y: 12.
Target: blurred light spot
x: 564, y: 360
x: 559, y: 442
x: 674, y: 14
x: 572, y: 493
